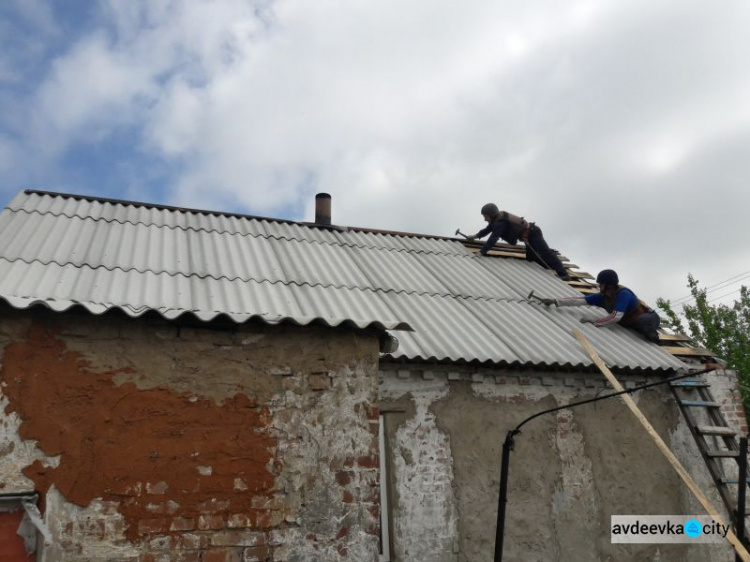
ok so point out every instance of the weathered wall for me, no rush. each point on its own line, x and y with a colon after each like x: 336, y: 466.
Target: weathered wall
x: 153, y: 442
x: 570, y: 471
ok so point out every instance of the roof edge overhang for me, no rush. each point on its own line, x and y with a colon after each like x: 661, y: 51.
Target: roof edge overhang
x: 566, y: 368
x: 97, y: 309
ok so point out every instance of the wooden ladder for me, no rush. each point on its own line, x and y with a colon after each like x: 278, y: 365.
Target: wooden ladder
x: 716, y: 441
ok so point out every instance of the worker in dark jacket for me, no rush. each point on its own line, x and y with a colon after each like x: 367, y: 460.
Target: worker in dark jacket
x: 512, y: 228
x: 621, y: 304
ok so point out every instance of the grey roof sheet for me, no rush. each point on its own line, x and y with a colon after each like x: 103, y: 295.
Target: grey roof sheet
x: 62, y: 251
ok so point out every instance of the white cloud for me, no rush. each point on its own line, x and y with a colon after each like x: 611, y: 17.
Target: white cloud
x: 618, y: 126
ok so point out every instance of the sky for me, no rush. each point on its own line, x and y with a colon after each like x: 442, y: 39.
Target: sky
x: 621, y: 127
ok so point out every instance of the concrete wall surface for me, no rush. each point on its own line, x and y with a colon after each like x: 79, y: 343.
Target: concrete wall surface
x: 147, y: 441
x: 570, y: 471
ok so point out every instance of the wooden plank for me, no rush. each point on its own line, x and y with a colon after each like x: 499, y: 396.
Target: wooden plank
x: 505, y: 254
x: 700, y: 404
x: 733, y: 481
x: 690, y: 384
x: 687, y: 351
x: 692, y: 486
x: 674, y: 337
x: 716, y: 453
x: 715, y: 430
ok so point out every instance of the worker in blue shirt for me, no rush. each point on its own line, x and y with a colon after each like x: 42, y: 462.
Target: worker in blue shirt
x: 621, y: 304
x: 512, y: 228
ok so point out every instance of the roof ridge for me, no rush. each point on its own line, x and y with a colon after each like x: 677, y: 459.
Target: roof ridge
x: 231, y: 233
x: 158, y: 206
x: 176, y: 209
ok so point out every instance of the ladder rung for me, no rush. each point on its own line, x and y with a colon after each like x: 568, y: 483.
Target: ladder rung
x: 699, y: 403
x: 690, y: 384
x: 733, y: 481
x: 715, y: 430
x: 716, y: 453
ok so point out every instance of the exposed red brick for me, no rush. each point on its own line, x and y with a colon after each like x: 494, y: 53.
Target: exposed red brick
x: 269, y: 519
x: 124, y: 442
x: 342, y: 532
x: 374, y: 511
x: 152, y: 526
x: 182, y: 524
x: 214, y: 505
x: 239, y: 521
x: 193, y: 556
x: 319, y: 382
x: 256, y: 554
x: 223, y: 555
x: 236, y: 537
x: 210, y: 522
x: 369, y: 462
x: 189, y: 541
x: 343, y: 477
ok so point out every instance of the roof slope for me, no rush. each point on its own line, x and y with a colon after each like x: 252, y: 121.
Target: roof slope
x: 62, y: 250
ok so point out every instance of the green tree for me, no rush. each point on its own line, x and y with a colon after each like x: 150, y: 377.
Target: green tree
x: 725, y: 330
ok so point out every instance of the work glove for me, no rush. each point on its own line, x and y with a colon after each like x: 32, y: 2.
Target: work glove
x: 549, y: 302
x: 586, y: 321
x: 471, y: 238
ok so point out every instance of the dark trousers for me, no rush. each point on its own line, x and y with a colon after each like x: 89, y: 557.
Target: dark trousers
x: 647, y: 324
x: 539, y: 252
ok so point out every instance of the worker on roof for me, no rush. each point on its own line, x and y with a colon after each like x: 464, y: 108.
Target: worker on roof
x: 511, y: 228
x: 621, y: 304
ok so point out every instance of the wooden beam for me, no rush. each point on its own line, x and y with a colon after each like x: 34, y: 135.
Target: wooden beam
x: 687, y: 351
x: 692, y: 486
x: 674, y: 337
x: 505, y: 254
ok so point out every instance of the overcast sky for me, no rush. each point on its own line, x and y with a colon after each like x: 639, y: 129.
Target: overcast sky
x: 621, y: 127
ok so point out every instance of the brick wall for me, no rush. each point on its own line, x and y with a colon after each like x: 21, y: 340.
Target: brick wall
x: 725, y: 389
x: 192, y: 444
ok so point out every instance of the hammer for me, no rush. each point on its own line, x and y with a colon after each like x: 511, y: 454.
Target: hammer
x: 533, y: 296
x: 458, y: 231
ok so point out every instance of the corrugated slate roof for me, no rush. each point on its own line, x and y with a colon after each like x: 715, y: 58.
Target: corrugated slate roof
x: 61, y: 250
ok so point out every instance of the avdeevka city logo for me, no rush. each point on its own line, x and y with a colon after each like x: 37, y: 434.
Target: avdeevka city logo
x: 693, y: 528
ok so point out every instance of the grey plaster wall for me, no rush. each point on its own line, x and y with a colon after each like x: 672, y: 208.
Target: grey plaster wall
x: 570, y: 471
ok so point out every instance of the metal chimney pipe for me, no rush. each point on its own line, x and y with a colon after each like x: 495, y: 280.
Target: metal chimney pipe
x: 323, y: 209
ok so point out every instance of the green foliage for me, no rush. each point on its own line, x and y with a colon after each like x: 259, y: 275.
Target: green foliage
x: 725, y: 330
